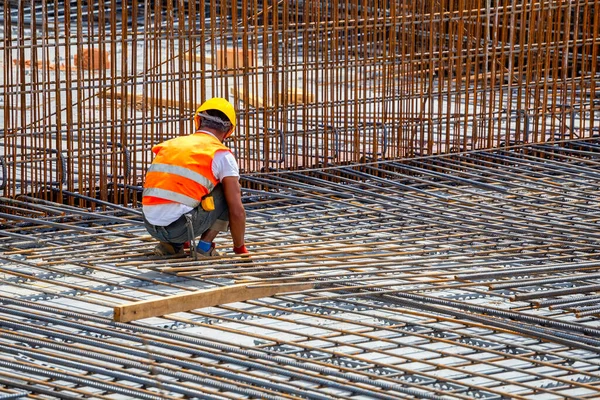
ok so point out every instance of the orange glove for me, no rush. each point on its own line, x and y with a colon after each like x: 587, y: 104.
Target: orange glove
x: 240, y: 250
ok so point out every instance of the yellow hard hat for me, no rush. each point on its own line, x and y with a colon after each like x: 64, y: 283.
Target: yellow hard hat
x: 220, y: 104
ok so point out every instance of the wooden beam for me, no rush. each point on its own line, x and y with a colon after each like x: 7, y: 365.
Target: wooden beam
x: 225, y: 58
x: 202, y: 298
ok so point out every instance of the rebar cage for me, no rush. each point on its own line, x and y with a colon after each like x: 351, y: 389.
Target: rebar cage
x: 89, y: 87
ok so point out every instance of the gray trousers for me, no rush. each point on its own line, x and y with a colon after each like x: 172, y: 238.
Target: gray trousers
x: 200, y: 221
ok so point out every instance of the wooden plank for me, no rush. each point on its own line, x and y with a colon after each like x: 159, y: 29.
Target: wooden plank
x: 202, y: 298
x: 225, y: 58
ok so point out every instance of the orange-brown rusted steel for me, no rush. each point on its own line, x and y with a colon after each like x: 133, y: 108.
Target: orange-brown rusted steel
x: 87, y: 91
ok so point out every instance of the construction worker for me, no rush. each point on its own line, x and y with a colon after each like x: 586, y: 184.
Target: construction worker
x: 192, y: 187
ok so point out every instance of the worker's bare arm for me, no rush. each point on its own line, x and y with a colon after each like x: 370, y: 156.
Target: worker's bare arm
x: 237, y: 214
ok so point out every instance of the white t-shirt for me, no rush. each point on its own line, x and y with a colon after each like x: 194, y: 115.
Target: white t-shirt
x: 224, y: 165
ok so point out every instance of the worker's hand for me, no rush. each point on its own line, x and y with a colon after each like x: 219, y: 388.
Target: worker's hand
x: 241, y: 250
x: 244, y: 253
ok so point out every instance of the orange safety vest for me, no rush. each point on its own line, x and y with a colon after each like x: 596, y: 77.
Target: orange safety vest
x: 181, y: 172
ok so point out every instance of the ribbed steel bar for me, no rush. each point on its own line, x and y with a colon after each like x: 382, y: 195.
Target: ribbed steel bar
x: 391, y: 198
x: 387, y: 319
x: 504, y: 166
x: 477, y: 173
x: 89, y: 87
x: 233, y: 352
x: 33, y: 385
x: 13, y: 395
x: 541, y: 281
x: 91, y: 366
x: 363, y: 307
x: 567, y: 301
x: 264, y: 267
x: 96, y: 383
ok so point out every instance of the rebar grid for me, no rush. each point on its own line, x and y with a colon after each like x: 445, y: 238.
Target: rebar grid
x: 470, y: 275
x: 315, y: 83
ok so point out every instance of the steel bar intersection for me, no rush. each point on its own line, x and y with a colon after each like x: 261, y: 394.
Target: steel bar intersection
x: 466, y: 276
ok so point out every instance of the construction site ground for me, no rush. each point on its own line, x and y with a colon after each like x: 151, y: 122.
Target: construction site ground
x: 464, y: 276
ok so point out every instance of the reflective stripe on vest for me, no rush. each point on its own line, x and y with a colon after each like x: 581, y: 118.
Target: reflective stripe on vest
x: 184, y: 172
x: 173, y: 196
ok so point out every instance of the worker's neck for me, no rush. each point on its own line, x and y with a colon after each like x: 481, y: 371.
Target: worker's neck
x: 212, y: 132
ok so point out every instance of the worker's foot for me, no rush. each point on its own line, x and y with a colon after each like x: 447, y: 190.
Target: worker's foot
x: 168, y: 249
x: 212, y: 252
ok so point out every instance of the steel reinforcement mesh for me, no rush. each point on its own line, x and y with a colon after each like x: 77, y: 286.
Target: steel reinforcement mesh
x: 88, y: 87
x: 472, y: 275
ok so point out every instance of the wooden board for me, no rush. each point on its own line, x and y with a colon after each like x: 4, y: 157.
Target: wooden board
x: 225, y: 58
x: 203, y: 298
